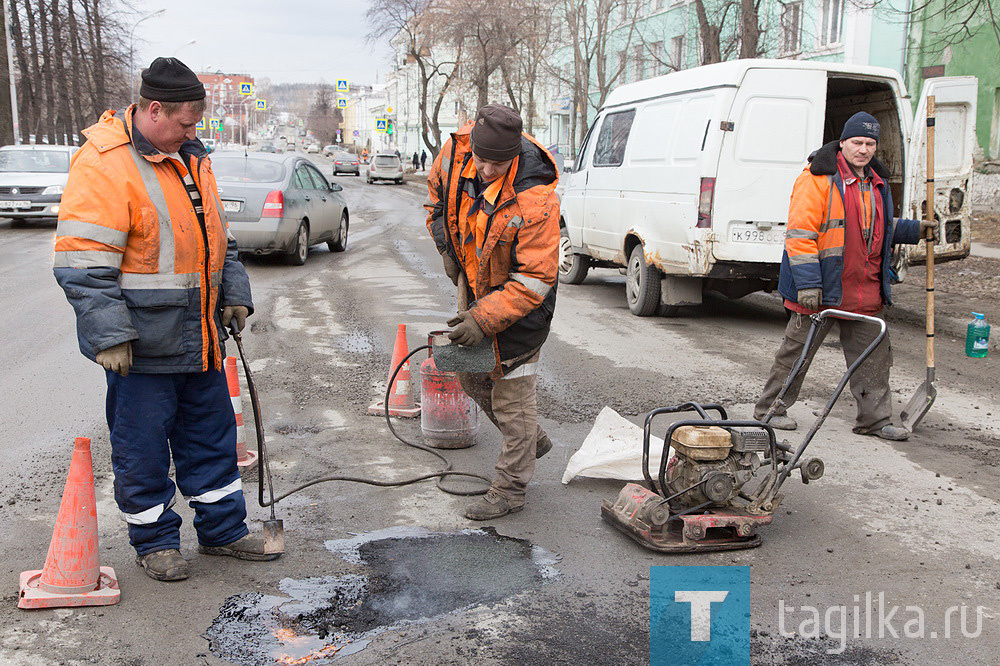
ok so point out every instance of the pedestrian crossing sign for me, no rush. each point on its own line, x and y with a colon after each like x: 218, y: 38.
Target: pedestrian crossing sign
x: 246, y: 88
x: 262, y: 105
x: 381, y: 125
x: 213, y: 122
x: 342, y: 86
x: 341, y: 102
x: 200, y: 125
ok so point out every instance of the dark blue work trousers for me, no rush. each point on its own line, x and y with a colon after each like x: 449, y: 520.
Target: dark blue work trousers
x: 190, y: 415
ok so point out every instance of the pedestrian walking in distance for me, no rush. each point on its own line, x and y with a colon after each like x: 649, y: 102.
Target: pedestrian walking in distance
x: 423, y: 160
x: 494, y: 216
x: 415, y: 161
x: 144, y: 254
x: 837, y: 254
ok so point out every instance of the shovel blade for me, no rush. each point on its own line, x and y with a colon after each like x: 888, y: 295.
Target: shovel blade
x: 274, y: 537
x: 918, y: 406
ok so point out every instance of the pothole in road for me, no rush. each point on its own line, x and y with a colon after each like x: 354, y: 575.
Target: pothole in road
x: 410, y: 576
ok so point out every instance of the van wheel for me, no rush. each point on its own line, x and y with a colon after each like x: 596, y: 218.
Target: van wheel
x: 642, y: 284
x: 573, y: 268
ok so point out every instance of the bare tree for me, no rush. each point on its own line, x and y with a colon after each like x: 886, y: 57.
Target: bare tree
x: 961, y: 20
x: 525, y: 65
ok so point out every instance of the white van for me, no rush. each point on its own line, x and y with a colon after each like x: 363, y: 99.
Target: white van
x: 684, y: 180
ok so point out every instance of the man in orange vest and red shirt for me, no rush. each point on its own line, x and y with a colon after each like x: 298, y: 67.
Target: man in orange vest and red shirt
x: 494, y: 215
x: 837, y: 254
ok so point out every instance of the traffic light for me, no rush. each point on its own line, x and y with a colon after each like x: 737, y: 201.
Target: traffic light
x: 389, y: 126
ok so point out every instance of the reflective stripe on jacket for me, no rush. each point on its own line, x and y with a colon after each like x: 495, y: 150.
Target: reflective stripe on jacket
x: 515, y: 280
x: 133, y: 258
x: 814, y: 239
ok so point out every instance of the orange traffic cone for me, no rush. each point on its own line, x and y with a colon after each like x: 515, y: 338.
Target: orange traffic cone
x: 244, y: 458
x: 72, y: 575
x: 401, y: 397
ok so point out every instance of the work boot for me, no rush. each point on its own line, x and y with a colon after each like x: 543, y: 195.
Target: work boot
x: 491, y: 505
x: 890, y: 432
x: 249, y: 547
x: 543, y: 446
x: 164, y: 564
x: 783, y: 422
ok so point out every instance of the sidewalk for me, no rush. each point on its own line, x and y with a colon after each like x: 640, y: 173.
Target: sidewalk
x: 987, y: 250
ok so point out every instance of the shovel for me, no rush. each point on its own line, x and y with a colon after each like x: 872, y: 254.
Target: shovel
x: 921, y: 402
x: 273, y: 529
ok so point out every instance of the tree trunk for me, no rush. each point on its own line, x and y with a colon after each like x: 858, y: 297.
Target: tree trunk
x: 711, y: 51
x: 749, y: 29
x: 6, y: 115
x: 34, y: 110
x: 75, y: 91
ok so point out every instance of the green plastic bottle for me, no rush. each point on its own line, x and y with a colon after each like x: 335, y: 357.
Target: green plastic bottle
x: 977, y: 336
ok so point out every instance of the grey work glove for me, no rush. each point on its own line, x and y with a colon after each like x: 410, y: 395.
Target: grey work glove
x: 810, y: 299
x: 467, y: 331
x: 928, y: 229
x: 451, y: 268
x: 116, y: 359
x: 239, y: 312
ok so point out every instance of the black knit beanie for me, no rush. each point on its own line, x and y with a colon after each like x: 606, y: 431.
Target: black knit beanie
x: 861, y: 124
x: 170, y: 80
x: 497, y: 133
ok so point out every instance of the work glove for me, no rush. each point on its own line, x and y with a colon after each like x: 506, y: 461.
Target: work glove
x: 451, y: 268
x: 116, y: 359
x: 467, y: 331
x: 238, y: 312
x: 928, y: 229
x: 810, y: 299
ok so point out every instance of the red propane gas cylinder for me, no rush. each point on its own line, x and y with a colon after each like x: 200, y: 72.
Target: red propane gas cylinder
x: 449, y: 418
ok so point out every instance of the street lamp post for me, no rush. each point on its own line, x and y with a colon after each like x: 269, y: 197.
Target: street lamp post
x: 131, y: 47
x: 10, y: 73
x: 193, y: 41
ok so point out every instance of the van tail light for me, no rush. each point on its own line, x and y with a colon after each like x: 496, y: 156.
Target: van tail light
x: 705, y: 199
x: 274, y: 204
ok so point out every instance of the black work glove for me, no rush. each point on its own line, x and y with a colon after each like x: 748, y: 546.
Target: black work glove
x: 451, y: 268
x: 467, y: 331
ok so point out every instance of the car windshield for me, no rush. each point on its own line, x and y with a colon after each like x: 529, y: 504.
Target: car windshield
x: 34, y: 161
x: 247, y: 170
x: 386, y: 160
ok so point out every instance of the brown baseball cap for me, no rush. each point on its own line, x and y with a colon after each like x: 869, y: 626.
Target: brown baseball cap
x: 497, y: 133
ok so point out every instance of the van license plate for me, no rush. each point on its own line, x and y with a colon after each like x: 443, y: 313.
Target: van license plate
x: 15, y: 204
x: 231, y: 206
x: 750, y: 235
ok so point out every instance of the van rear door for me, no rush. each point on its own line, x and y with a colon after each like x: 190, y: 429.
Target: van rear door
x: 954, y: 145
x: 775, y: 122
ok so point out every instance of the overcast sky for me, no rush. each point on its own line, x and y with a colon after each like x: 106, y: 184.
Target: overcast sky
x: 287, y: 41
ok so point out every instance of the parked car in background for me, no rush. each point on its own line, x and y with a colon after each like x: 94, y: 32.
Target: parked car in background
x: 331, y: 150
x: 280, y: 204
x: 313, y: 148
x: 32, y: 179
x: 268, y: 148
x: 210, y: 144
x: 346, y: 163
x: 386, y: 166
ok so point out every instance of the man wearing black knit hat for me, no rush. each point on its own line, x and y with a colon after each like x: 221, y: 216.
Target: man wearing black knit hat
x: 837, y: 252
x: 494, y: 216
x: 144, y: 254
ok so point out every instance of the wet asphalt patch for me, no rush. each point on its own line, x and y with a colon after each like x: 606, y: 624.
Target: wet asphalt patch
x: 407, y: 576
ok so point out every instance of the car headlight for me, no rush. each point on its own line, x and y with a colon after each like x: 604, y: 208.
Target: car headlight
x: 53, y: 189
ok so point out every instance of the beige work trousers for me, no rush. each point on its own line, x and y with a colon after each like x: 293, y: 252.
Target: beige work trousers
x: 511, y: 404
x: 869, y: 385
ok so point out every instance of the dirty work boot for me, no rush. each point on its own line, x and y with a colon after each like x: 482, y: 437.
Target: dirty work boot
x: 890, y: 432
x: 543, y: 446
x: 491, y: 505
x: 250, y: 547
x: 164, y: 564
x: 783, y: 422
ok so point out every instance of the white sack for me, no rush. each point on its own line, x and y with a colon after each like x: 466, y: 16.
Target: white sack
x: 613, y: 450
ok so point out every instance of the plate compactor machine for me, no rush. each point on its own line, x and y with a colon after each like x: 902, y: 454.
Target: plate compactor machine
x: 725, y: 477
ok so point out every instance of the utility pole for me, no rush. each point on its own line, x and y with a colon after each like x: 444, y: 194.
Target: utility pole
x: 10, y: 72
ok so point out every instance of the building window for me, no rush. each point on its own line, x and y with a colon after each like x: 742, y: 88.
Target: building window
x: 659, y: 67
x: 832, y: 17
x: 623, y: 65
x: 677, y: 52
x: 640, y: 63
x: 791, y: 28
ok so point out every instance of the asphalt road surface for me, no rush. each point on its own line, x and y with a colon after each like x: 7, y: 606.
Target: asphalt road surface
x: 915, y: 522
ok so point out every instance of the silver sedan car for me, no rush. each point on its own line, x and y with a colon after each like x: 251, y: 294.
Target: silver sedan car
x: 280, y: 204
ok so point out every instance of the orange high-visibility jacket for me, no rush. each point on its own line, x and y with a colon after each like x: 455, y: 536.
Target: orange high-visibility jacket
x: 513, y: 264
x: 133, y: 258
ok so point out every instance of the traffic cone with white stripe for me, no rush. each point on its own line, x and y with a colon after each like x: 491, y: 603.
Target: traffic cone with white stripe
x: 72, y: 575
x: 244, y: 458
x: 401, y: 397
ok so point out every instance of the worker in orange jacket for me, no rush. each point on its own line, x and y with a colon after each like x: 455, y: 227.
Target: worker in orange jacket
x: 494, y: 216
x: 144, y: 254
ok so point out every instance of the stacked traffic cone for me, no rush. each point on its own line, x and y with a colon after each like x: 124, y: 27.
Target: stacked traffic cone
x: 401, y: 396
x: 72, y: 575
x: 244, y: 457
